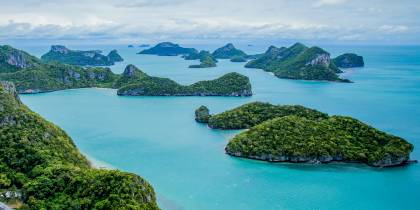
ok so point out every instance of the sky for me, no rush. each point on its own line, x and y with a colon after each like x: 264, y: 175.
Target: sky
x: 144, y: 21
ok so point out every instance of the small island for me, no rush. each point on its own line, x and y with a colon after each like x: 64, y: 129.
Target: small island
x: 41, y: 167
x: 168, y: 49
x: 202, y: 114
x: 59, y: 53
x: 298, y: 134
x: 206, y: 59
x: 299, y: 62
x: 349, y: 60
x: 228, y: 51
x: 137, y: 83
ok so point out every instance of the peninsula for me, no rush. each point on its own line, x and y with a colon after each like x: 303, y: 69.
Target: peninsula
x: 41, y: 168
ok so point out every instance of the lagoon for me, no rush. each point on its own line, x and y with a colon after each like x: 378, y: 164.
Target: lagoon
x: 157, y: 137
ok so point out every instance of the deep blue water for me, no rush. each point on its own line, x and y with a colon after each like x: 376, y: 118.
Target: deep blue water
x: 157, y: 137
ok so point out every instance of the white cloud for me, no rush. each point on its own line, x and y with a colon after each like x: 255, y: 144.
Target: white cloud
x: 190, y: 19
x: 320, y: 3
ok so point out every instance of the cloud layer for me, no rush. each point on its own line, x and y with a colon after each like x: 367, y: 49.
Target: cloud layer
x: 155, y: 20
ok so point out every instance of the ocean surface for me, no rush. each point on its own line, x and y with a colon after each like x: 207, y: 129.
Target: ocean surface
x: 157, y: 137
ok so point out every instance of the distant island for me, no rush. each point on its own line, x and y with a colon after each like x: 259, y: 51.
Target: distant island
x: 168, y: 49
x: 301, y: 62
x: 228, y: 51
x: 41, y: 167
x: 130, y: 46
x: 59, y: 53
x: 298, y: 134
x: 238, y: 59
x: 136, y: 83
x: 144, y: 45
x: 349, y: 60
x: 207, y: 60
x: 32, y: 75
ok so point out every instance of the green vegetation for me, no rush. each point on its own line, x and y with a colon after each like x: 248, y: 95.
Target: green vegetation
x: 61, y: 54
x: 56, y: 76
x: 227, y: 52
x: 298, y: 62
x: 299, y: 139
x: 231, y: 84
x: 45, y: 77
x: 349, y: 60
x: 254, y: 113
x: 202, y: 114
x: 206, y: 59
x: 168, y: 49
x: 41, y: 165
x: 238, y: 59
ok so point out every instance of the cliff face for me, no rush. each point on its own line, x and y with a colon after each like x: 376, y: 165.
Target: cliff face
x: 12, y: 59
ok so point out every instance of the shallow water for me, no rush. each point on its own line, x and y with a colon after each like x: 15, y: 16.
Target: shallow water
x: 157, y: 137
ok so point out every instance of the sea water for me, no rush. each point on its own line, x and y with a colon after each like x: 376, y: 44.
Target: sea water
x: 157, y: 137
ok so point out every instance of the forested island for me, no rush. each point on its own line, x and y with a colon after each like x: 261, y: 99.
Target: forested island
x: 228, y: 51
x: 168, y: 49
x: 136, y: 83
x: 59, y: 53
x: 32, y: 75
x: 41, y: 168
x: 207, y: 60
x: 299, y: 134
x: 349, y: 60
x: 304, y: 63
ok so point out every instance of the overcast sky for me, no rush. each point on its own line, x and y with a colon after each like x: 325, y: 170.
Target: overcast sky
x: 125, y: 21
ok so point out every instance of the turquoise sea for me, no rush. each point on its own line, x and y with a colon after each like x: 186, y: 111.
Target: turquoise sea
x: 157, y: 137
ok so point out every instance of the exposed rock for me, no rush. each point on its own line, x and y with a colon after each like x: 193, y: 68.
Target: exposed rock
x: 129, y: 70
x: 321, y: 59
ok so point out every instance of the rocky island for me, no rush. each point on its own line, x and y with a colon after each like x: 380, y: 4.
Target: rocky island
x: 228, y: 51
x: 41, y: 168
x: 137, y: 83
x: 168, y: 49
x: 59, y: 53
x: 202, y: 114
x: 299, y: 62
x: 298, y: 134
